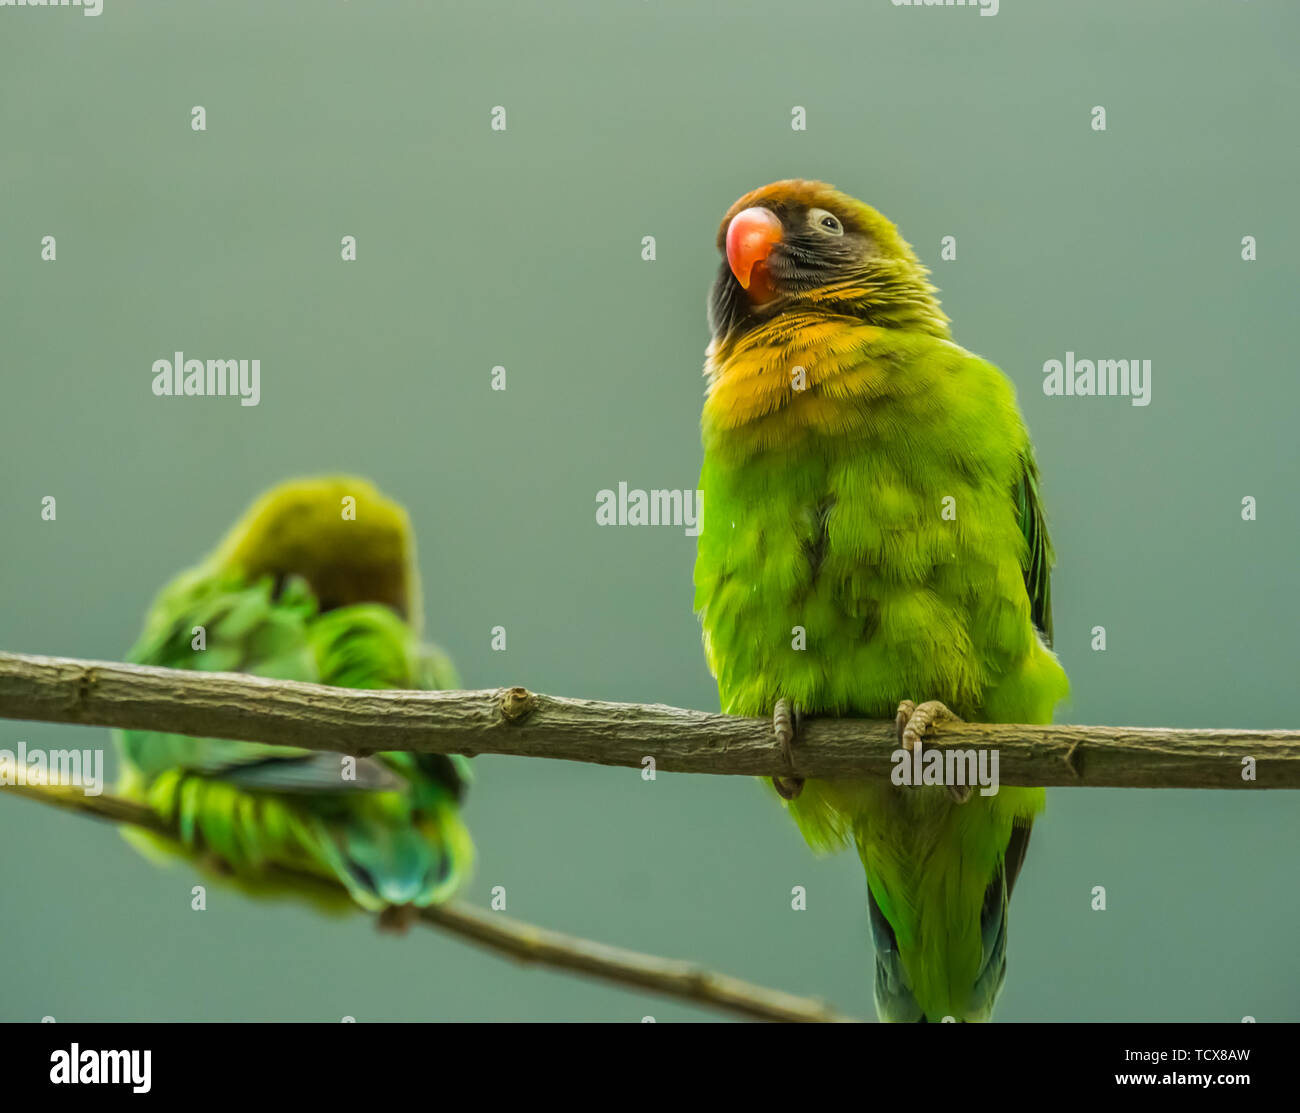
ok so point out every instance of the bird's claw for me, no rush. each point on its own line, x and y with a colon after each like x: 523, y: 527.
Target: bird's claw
x: 785, y: 725
x: 915, y: 723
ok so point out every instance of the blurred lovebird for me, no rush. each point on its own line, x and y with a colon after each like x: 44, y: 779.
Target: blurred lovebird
x: 316, y: 582
x: 873, y: 536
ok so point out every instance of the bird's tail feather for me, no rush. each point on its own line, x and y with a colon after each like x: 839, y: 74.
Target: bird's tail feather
x: 962, y: 976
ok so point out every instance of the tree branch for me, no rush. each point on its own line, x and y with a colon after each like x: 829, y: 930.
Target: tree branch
x: 525, y: 942
x: 520, y: 723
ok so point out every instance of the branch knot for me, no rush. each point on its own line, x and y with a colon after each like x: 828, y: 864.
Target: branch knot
x: 517, y: 704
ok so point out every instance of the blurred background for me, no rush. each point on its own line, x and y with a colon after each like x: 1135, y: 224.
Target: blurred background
x: 523, y: 248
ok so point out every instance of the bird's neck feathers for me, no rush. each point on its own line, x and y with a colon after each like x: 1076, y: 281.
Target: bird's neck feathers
x: 806, y: 366
x: 349, y: 542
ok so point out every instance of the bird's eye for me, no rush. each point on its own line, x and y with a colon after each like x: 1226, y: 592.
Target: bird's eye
x: 825, y: 222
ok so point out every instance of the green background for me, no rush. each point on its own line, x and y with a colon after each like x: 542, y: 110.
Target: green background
x: 476, y: 248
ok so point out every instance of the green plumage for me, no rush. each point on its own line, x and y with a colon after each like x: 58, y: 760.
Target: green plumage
x: 386, y: 828
x: 870, y: 535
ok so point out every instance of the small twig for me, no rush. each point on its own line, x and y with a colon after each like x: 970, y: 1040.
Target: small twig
x: 528, y: 943
x: 518, y: 722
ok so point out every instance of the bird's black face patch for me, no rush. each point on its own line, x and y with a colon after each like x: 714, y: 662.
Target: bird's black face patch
x: 818, y: 248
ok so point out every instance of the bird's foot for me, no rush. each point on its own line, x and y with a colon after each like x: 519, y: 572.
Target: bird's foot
x: 917, y: 722
x: 397, y: 918
x: 785, y: 725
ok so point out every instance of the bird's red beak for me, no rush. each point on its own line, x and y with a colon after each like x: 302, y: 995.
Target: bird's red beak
x: 751, y: 235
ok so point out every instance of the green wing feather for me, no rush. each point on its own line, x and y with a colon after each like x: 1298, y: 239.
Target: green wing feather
x: 241, y: 628
x: 1039, y: 557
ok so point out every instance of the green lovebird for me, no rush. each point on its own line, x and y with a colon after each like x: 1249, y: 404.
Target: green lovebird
x: 872, y: 535
x: 316, y: 582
